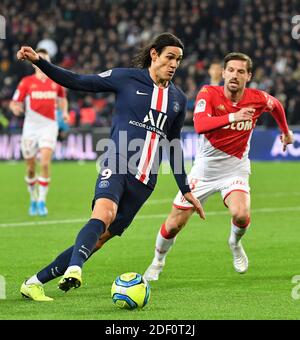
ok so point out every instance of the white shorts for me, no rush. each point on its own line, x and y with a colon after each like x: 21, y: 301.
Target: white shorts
x: 36, y: 137
x: 202, y: 189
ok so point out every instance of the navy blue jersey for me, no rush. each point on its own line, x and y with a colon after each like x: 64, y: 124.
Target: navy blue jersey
x: 143, y: 110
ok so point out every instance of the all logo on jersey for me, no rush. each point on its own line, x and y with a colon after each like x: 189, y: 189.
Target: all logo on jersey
x: 159, y: 122
x: 201, y: 106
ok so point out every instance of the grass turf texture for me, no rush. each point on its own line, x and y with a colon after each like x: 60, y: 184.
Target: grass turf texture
x: 199, y: 281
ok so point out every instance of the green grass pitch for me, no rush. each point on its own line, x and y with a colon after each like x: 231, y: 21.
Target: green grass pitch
x: 198, y: 281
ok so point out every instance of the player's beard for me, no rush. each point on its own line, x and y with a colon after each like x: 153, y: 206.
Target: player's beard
x: 234, y: 88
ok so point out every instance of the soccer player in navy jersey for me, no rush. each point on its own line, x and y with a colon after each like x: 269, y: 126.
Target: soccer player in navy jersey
x: 149, y: 108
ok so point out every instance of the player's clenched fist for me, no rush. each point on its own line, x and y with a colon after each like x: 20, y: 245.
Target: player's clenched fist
x: 287, y: 139
x: 27, y: 53
x: 245, y: 113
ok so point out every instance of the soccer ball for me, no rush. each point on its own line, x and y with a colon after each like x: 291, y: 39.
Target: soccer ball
x: 130, y: 291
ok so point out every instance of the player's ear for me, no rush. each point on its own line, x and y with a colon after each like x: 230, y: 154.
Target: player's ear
x: 249, y: 76
x: 223, y: 72
x: 153, y: 54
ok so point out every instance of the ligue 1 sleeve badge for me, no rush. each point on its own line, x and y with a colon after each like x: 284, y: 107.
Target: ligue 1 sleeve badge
x: 176, y: 107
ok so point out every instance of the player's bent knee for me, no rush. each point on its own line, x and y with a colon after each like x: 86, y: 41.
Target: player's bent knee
x: 173, y: 230
x: 106, y: 216
x: 31, y: 172
x: 176, y: 221
x: 105, y: 210
x: 241, y: 220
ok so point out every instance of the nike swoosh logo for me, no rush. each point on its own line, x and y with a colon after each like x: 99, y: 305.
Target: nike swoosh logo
x: 141, y: 93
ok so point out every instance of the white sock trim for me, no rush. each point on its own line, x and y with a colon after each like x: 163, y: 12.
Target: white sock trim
x: 30, y: 181
x: 237, y: 233
x: 238, y: 230
x: 33, y: 280
x: 44, y: 179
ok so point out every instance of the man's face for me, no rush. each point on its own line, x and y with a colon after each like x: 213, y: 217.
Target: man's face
x: 236, y: 75
x: 165, y: 64
x: 215, y: 70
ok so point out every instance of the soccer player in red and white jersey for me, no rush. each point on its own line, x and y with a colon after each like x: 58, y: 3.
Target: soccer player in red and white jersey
x: 225, y: 116
x: 39, y: 97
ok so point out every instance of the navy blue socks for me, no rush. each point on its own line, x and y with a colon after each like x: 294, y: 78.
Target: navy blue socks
x: 86, y: 241
x: 75, y: 255
x: 57, y: 267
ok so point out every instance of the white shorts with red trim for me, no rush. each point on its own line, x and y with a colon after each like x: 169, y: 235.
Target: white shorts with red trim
x: 35, y: 138
x: 204, y: 188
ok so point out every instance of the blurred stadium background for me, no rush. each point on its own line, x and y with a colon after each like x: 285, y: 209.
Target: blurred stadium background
x: 90, y: 36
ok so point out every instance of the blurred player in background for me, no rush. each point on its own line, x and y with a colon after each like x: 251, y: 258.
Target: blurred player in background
x: 215, y: 74
x: 225, y: 116
x: 149, y: 108
x: 39, y: 97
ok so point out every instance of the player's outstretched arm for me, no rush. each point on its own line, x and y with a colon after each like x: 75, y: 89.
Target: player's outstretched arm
x: 277, y: 111
x: 71, y: 80
x: 176, y: 158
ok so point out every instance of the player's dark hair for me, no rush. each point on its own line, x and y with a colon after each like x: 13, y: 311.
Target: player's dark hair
x: 239, y: 56
x: 143, y: 59
x: 42, y: 50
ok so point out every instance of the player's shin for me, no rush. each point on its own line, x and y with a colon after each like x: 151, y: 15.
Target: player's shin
x: 31, y: 188
x: 164, y: 242
x: 43, y: 188
x: 240, y: 259
x: 84, y: 246
x: 238, y: 230
x: 86, y: 241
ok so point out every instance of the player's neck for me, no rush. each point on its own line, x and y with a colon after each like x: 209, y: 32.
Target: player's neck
x: 41, y: 76
x: 235, y: 97
x: 158, y: 81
